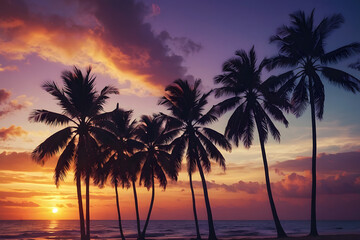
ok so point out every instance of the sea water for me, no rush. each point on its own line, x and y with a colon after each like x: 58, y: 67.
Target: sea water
x: 165, y: 229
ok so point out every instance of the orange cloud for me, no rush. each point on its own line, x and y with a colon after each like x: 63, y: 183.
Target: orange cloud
x: 12, y: 131
x: 22, y: 161
x: 8, y: 68
x: 18, y: 204
x: 110, y: 35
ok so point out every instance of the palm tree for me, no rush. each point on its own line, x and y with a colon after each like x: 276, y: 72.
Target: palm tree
x: 301, y: 46
x: 81, y: 105
x: 254, y: 104
x: 186, y: 104
x: 117, y: 167
x: 154, y: 156
x: 133, y: 169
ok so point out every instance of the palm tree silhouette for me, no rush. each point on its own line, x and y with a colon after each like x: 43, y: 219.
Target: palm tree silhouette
x: 254, y: 104
x: 117, y: 167
x: 186, y: 104
x: 301, y: 45
x: 81, y: 105
x: 154, y: 156
x: 133, y: 169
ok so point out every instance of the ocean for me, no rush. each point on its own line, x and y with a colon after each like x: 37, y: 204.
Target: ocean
x: 165, y: 229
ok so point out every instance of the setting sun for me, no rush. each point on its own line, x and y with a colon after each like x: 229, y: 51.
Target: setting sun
x: 55, y: 210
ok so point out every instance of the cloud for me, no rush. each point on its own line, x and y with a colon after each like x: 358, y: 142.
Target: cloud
x: 111, y: 35
x: 12, y: 131
x: 241, y: 186
x: 18, y: 204
x: 21, y: 194
x: 4, y: 95
x: 21, y: 161
x: 70, y: 205
x: 9, y: 106
x: 185, y: 45
x: 155, y: 9
x: 298, y: 186
x: 326, y: 163
x: 8, y: 68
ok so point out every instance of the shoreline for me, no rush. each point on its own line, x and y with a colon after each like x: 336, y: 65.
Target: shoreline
x: 321, y: 237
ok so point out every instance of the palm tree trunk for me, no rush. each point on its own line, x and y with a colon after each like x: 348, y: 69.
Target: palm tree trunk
x: 212, y: 235
x: 151, y: 206
x: 137, y: 209
x: 313, y: 231
x: 279, y: 229
x: 198, y: 236
x: 87, y: 181
x: 118, y: 212
x: 81, y: 210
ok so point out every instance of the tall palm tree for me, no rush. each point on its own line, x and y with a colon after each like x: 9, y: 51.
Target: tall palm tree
x: 133, y: 169
x: 254, y: 105
x: 154, y: 156
x: 301, y: 46
x: 187, y: 121
x: 81, y: 105
x: 117, y: 167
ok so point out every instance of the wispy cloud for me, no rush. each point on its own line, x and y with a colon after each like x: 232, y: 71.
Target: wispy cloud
x: 18, y: 204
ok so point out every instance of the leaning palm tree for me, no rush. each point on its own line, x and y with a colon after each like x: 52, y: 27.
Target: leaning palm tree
x: 254, y: 105
x: 81, y: 105
x: 154, y: 157
x: 301, y: 46
x: 187, y: 120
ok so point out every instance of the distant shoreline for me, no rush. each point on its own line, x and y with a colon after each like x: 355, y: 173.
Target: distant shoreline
x: 321, y: 237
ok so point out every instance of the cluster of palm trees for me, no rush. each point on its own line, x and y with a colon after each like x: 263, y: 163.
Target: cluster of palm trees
x: 113, y: 146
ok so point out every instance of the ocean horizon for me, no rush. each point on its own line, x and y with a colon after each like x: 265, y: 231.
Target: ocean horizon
x: 167, y: 229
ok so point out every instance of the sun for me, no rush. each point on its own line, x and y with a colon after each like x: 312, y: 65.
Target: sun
x: 55, y: 210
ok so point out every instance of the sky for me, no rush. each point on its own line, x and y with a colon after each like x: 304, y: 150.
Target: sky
x: 142, y: 46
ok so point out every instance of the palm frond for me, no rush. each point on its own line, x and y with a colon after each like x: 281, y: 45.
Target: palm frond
x: 319, y: 96
x: 300, y: 97
x: 64, y: 161
x: 341, y: 79
x: 212, y: 150
x: 227, y: 105
x: 273, y: 82
x: 52, y: 145
x: 340, y: 53
x: 217, y: 138
x: 64, y: 102
x: 50, y: 118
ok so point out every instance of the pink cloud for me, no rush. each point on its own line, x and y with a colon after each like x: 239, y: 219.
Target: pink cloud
x: 326, y: 163
x: 4, y: 95
x: 155, y: 9
x: 9, y: 106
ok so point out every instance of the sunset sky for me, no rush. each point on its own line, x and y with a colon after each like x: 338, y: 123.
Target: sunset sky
x: 142, y: 46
